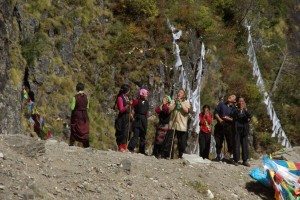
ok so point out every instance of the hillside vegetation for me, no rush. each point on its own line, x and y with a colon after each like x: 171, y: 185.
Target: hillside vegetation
x: 106, y: 43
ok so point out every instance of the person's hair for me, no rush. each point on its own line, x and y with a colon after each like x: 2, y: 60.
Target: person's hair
x: 239, y: 97
x: 206, y: 106
x: 123, y: 90
x: 79, y: 87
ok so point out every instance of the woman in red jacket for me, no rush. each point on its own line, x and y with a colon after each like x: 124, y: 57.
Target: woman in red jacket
x: 205, y: 131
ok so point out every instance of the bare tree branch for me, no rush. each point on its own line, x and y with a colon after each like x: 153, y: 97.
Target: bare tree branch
x: 279, y: 72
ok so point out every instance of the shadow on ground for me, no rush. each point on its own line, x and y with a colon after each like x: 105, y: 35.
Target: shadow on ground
x: 260, y: 190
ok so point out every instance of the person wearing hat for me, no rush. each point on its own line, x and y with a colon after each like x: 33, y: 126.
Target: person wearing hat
x: 122, y: 122
x: 162, y: 127
x: 79, y: 117
x: 141, y: 107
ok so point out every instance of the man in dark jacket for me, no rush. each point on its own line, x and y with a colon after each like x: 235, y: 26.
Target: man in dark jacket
x: 223, y: 127
x: 241, y: 118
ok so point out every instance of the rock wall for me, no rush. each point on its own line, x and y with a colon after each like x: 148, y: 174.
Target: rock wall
x: 10, y: 98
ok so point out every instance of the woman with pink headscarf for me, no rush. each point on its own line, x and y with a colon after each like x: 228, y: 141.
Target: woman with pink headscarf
x: 140, y: 106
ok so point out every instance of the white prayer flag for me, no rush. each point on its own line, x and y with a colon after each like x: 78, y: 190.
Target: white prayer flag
x: 276, y: 126
x: 176, y: 36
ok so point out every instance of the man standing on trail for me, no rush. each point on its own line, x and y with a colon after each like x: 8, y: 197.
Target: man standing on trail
x: 122, y: 125
x: 224, y: 127
x: 79, y: 117
x: 241, y: 118
x: 178, y: 125
x: 140, y: 107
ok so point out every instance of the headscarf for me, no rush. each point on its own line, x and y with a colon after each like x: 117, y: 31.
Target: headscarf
x: 169, y: 101
x: 168, y: 98
x: 143, y: 92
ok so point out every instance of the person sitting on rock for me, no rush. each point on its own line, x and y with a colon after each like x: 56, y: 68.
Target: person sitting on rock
x: 162, y: 127
x: 79, y: 117
x: 140, y: 106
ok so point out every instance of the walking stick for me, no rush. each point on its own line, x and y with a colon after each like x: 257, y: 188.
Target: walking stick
x: 197, y: 144
x: 128, y: 126
x: 224, y: 152
x: 171, y: 149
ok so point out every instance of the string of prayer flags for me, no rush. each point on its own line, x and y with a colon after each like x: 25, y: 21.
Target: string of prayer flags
x: 196, y: 94
x: 35, y: 119
x: 138, y: 50
x: 194, y: 97
x: 276, y: 128
x: 176, y: 36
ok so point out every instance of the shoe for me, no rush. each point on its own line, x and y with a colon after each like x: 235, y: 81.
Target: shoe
x: 246, y: 164
x: 217, y: 159
x: 124, y: 150
x: 130, y: 150
x: 236, y: 163
x: 119, y: 147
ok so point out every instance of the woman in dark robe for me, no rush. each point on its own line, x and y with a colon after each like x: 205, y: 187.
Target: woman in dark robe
x: 79, y: 117
x: 122, y: 123
x: 241, y: 118
x: 139, y: 126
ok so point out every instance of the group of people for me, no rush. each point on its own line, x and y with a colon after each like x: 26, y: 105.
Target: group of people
x: 233, y: 120
x: 232, y: 124
x: 131, y: 110
x: 173, y: 120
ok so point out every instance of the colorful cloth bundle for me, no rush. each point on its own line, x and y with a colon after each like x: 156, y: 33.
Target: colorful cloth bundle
x: 284, y: 176
x: 35, y: 118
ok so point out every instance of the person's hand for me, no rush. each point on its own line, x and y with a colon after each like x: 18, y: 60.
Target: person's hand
x: 226, y: 118
x: 179, y: 100
x: 130, y: 102
x: 165, y: 101
x: 206, y: 113
x: 221, y: 121
x: 244, y: 106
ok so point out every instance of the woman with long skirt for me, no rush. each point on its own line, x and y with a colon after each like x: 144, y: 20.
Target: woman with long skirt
x: 162, y: 127
x: 122, y: 122
x: 79, y: 117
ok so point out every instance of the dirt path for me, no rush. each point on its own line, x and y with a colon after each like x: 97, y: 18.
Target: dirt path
x: 31, y: 169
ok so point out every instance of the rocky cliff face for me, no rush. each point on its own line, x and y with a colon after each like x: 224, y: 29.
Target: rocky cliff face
x: 10, y: 98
